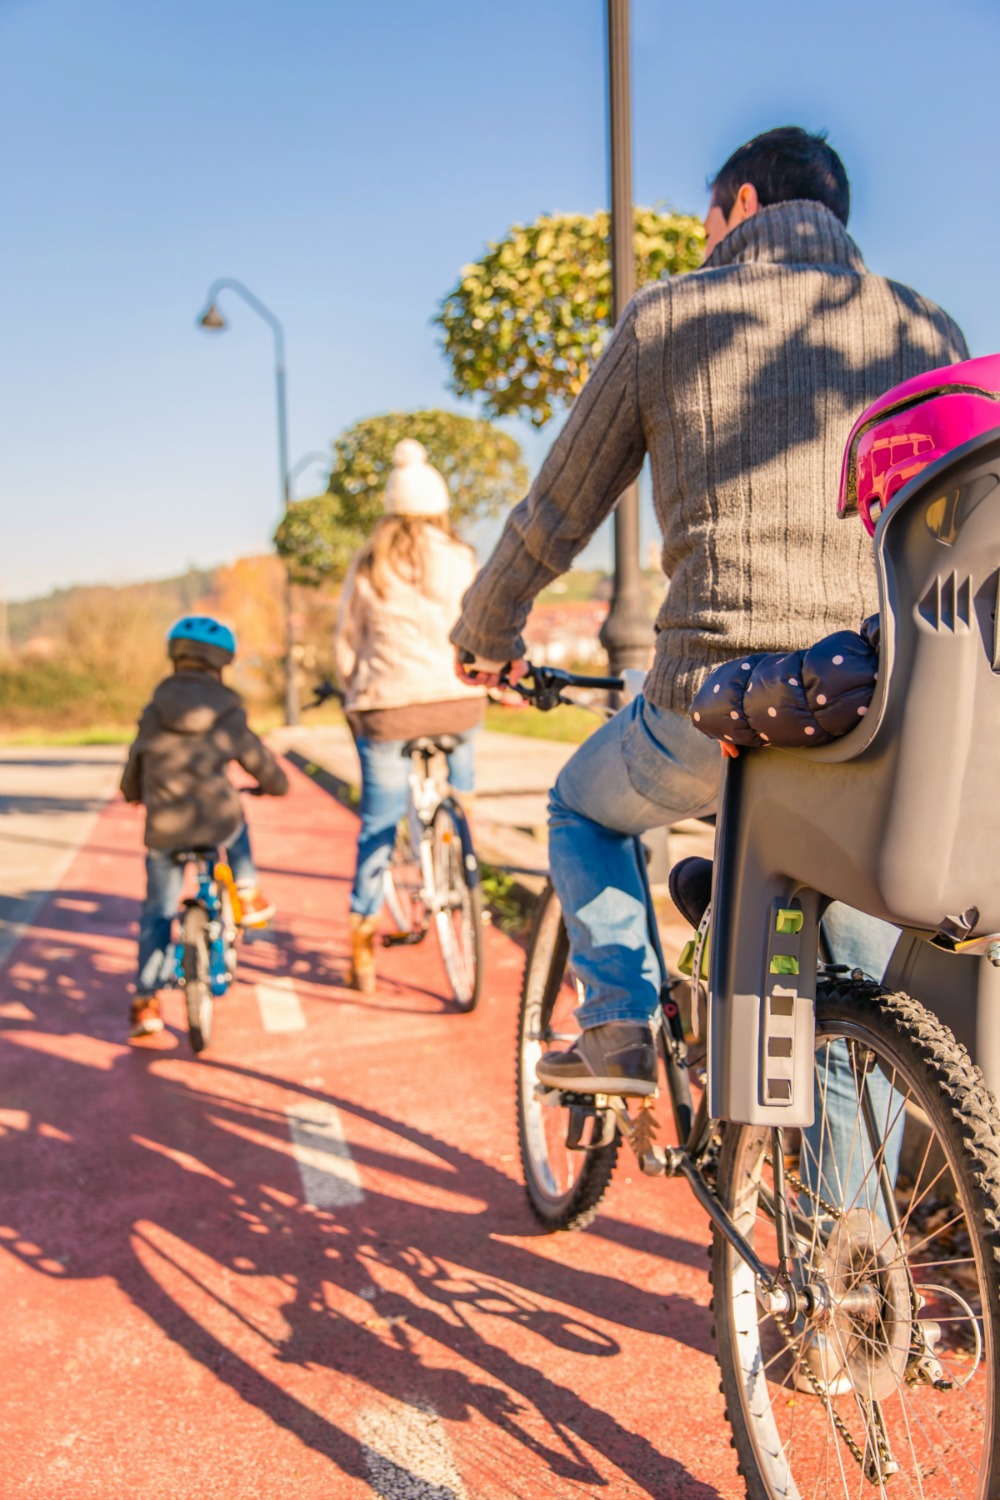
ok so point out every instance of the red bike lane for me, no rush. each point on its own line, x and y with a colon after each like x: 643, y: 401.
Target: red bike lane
x: 303, y: 1264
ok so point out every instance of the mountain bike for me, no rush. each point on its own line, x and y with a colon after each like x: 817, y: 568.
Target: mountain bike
x: 432, y: 879
x: 842, y: 1142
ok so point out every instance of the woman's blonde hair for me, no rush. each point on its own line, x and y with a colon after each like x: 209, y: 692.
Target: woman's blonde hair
x: 398, y: 545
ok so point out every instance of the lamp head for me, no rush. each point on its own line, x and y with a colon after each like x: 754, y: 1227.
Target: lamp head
x: 212, y: 318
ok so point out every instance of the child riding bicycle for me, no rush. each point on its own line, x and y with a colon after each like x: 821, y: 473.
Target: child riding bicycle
x: 191, y: 729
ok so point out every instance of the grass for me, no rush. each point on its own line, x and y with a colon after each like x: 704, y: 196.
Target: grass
x: 569, y: 724
x: 91, y: 734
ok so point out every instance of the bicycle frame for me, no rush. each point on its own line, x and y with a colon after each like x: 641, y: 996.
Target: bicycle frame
x: 214, y: 875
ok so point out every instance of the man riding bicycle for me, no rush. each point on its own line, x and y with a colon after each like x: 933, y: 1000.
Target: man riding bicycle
x: 740, y: 381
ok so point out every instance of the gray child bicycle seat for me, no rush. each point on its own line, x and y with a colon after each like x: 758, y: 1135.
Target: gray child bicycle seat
x: 900, y: 818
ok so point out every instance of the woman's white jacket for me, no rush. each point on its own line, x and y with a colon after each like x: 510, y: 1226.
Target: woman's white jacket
x: 395, y: 651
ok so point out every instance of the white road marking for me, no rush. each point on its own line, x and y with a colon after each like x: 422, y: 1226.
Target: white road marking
x: 407, y: 1453
x: 280, y: 1008
x: 330, y: 1177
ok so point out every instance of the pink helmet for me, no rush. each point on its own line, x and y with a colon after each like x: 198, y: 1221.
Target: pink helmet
x: 912, y: 426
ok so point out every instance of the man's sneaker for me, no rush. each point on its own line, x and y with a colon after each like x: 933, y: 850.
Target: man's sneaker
x: 257, y: 910
x: 146, y: 1019
x: 617, y: 1058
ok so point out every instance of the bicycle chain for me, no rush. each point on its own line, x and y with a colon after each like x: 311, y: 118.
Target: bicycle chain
x: 856, y: 1453
x: 800, y: 1187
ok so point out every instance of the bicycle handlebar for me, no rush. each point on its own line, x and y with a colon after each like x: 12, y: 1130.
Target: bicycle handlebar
x: 543, y: 686
x: 322, y: 693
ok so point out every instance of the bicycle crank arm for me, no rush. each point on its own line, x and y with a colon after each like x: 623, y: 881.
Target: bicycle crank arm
x: 402, y: 939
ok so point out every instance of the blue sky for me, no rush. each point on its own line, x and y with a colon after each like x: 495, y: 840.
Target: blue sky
x: 345, y: 159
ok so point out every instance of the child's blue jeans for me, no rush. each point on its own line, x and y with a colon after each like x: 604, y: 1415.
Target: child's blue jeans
x: 164, y: 882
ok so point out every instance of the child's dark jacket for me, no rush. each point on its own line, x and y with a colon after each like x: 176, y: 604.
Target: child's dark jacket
x: 792, y: 699
x: 189, y: 732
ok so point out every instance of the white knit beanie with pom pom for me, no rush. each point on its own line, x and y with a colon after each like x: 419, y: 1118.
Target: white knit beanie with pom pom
x: 414, y: 488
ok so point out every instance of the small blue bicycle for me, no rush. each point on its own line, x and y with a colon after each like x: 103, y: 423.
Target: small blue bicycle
x: 205, y: 953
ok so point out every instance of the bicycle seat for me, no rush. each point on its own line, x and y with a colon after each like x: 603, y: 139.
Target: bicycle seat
x: 428, y: 744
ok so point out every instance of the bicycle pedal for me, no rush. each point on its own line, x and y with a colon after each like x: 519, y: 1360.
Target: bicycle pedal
x: 401, y: 939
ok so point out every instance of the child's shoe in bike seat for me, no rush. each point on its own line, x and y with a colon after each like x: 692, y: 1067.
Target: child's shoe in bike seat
x: 690, y: 885
x: 146, y: 1019
x: 257, y: 910
x: 617, y: 1058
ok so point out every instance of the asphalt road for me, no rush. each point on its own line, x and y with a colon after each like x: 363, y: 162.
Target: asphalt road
x: 303, y: 1266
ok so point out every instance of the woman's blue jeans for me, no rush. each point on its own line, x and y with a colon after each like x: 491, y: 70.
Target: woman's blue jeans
x: 164, y: 883
x: 385, y: 794
x: 646, y: 768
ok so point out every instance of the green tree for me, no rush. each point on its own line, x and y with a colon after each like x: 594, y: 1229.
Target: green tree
x: 482, y: 467
x: 525, y: 324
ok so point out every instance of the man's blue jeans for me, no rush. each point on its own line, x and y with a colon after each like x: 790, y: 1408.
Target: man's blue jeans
x: 385, y: 795
x: 164, y: 882
x: 646, y: 768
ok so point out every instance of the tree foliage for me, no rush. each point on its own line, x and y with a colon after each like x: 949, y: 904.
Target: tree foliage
x: 481, y: 465
x: 525, y: 324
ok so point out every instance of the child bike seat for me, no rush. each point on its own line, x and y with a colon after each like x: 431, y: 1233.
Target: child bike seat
x: 900, y: 818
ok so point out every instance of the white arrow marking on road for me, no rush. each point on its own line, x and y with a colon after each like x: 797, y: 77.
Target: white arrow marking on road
x: 330, y: 1177
x: 407, y: 1453
x: 280, y: 1008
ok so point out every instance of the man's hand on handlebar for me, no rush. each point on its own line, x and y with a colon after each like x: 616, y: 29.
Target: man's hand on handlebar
x: 478, y: 671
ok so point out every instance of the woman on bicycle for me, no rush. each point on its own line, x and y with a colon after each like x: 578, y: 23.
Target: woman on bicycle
x: 401, y: 598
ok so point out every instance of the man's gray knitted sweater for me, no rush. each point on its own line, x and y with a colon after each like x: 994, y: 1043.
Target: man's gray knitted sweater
x: 741, y: 381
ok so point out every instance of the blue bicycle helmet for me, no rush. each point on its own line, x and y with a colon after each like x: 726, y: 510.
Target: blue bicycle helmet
x: 202, y: 637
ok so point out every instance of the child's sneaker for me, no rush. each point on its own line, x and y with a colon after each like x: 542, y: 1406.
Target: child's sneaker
x: 146, y: 1018
x: 257, y: 910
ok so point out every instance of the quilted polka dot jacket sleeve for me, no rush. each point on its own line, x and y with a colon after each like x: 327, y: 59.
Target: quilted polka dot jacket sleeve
x: 792, y: 699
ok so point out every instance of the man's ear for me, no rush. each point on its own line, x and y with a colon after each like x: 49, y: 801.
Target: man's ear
x: 746, y: 205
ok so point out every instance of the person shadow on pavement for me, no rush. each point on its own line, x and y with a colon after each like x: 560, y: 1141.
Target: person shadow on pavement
x: 175, y: 1178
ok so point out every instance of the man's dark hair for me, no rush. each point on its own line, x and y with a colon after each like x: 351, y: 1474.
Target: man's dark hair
x: 782, y: 164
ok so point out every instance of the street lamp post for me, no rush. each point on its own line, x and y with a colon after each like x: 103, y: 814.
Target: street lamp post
x: 213, y: 320
x: 314, y: 456
x: 625, y: 634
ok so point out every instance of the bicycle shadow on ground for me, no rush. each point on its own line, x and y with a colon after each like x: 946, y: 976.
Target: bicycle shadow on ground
x: 175, y: 1179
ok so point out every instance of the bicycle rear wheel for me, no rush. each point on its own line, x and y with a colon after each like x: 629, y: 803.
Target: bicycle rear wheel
x: 198, y: 999
x: 565, y: 1187
x: 404, y: 891
x: 893, y: 1198
x: 458, y: 899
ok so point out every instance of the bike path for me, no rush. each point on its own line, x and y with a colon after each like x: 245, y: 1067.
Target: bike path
x: 303, y: 1264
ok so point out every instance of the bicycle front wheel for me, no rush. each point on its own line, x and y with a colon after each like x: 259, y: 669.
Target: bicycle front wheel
x: 565, y: 1186
x: 458, y: 901
x: 892, y: 1204
x: 198, y: 1000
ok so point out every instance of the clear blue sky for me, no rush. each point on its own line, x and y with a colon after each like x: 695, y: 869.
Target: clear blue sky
x: 345, y: 158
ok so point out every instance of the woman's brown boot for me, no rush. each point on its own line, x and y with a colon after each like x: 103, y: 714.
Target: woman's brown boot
x: 361, y: 974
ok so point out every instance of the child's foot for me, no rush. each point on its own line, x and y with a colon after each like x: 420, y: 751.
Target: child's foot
x: 146, y: 1018
x: 257, y: 910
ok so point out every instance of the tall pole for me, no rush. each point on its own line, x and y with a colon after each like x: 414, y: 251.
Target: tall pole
x: 212, y: 319
x: 626, y: 632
